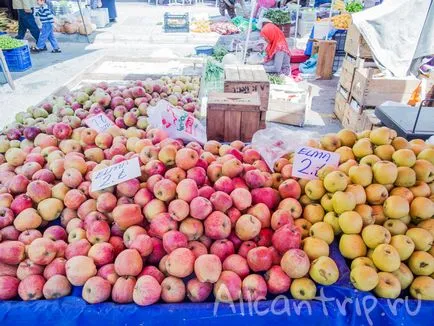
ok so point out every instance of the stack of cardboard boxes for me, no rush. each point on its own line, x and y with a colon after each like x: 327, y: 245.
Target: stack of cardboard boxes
x: 362, y: 86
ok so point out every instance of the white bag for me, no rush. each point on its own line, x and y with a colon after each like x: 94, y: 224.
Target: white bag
x: 177, y: 123
x: 274, y: 142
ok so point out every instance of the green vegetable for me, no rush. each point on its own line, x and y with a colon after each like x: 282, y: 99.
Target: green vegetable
x: 213, y: 70
x: 9, y: 43
x: 354, y: 6
x: 276, y: 79
x: 219, y: 53
x: 278, y: 17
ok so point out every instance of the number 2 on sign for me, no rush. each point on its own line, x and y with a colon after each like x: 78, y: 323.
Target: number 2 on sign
x: 308, y: 161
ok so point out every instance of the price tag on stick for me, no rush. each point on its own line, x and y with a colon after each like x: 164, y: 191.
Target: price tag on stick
x: 99, y: 122
x: 308, y: 160
x: 115, y: 174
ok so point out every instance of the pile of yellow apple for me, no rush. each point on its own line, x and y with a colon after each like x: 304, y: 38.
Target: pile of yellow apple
x: 380, y: 202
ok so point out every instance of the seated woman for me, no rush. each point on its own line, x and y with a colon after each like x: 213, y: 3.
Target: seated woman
x: 277, y: 59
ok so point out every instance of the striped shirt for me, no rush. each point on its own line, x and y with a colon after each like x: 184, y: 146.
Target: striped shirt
x: 45, y: 14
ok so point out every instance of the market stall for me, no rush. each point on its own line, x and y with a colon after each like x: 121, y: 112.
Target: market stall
x: 144, y: 196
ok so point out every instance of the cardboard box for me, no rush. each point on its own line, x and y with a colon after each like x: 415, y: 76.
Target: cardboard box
x: 288, y: 106
x: 370, y: 88
x: 340, y: 105
x: 355, y: 44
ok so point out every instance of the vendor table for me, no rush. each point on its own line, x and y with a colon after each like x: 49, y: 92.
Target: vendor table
x: 335, y: 305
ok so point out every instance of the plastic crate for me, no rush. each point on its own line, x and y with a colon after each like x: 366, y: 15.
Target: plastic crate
x: 18, y: 59
x: 176, y: 23
x: 340, y: 36
x: 338, y: 60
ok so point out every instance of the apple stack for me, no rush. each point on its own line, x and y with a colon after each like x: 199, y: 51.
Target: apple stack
x: 380, y: 201
x: 198, y: 220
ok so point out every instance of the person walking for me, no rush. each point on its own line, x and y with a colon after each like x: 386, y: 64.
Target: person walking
x: 26, y: 20
x: 47, y: 19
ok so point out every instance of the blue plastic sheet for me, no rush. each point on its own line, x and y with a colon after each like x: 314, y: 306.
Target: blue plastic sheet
x: 336, y: 305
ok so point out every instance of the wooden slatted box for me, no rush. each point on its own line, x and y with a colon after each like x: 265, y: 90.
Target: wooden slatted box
x: 232, y: 116
x: 369, y: 88
x: 356, y: 45
x: 248, y: 79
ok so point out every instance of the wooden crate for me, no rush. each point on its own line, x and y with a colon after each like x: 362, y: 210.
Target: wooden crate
x: 369, y: 89
x: 232, y: 116
x: 351, y: 118
x: 369, y: 121
x: 248, y: 79
x: 340, y: 106
x: 288, y: 106
x: 349, y: 66
x: 326, y: 55
x: 355, y: 44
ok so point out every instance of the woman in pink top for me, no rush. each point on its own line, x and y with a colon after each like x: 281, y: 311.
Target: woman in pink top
x: 267, y: 4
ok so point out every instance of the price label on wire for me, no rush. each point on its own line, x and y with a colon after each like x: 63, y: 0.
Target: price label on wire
x: 308, y: 160
x: 115, y: 174
x: 99, y: 122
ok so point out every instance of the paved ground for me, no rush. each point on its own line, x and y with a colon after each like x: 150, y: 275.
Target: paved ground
x: 138, y: 32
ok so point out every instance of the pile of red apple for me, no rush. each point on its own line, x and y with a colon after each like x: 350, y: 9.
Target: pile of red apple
x: 199, y: 220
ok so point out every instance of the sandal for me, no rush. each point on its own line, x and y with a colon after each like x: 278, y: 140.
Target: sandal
x: 34, y: 49
x: 56, y: 51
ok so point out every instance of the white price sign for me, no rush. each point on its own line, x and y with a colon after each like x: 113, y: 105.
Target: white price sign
x: 99, y: 122
x: 115, y: 174
x: 308, y: 160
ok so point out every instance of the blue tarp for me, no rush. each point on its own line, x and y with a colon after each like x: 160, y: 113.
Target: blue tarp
x: 335, y: 305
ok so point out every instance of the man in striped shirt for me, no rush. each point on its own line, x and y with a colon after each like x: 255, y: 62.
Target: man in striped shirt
x: 47, y: 19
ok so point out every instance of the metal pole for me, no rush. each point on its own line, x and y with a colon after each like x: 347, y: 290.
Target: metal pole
x: 82, y: 19
x: 330, y: 16
x: 253, y: 2
x: 296, y: 24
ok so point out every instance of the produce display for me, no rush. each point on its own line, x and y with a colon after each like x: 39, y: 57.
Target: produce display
x: 354, y: 6
x: 278, y: 17
x: 6, y: 24
x: 224, y: 28
x: 380, y: 201
x: 72, y: 24
x: 213, y: 70
x: 202, y: 220
x: 342, y: 21
x: 219, y: 52
x: 200, y: 26
x: 9, y: 43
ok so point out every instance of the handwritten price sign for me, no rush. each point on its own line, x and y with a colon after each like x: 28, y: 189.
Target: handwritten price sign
x: 115, y: 174
x: 99, y: 122
x: 308, y: 160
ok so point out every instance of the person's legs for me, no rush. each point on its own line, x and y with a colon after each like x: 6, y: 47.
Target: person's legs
x: 45, y: 32
x: 52, y: 39
x: 231, y: 11
x: 32, y: 26
x: 22, y: 27
x: 222, y: 7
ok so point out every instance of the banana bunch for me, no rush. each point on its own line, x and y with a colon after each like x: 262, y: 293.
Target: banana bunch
x: 6, y: 24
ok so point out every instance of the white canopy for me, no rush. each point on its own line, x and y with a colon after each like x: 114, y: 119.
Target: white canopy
x: 398, y: 32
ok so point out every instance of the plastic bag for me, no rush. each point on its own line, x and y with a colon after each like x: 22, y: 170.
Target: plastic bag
x: 274, y: 142
x: 177, y: 123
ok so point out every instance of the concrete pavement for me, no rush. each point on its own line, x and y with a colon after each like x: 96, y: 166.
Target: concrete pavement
x: 138, y: 32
